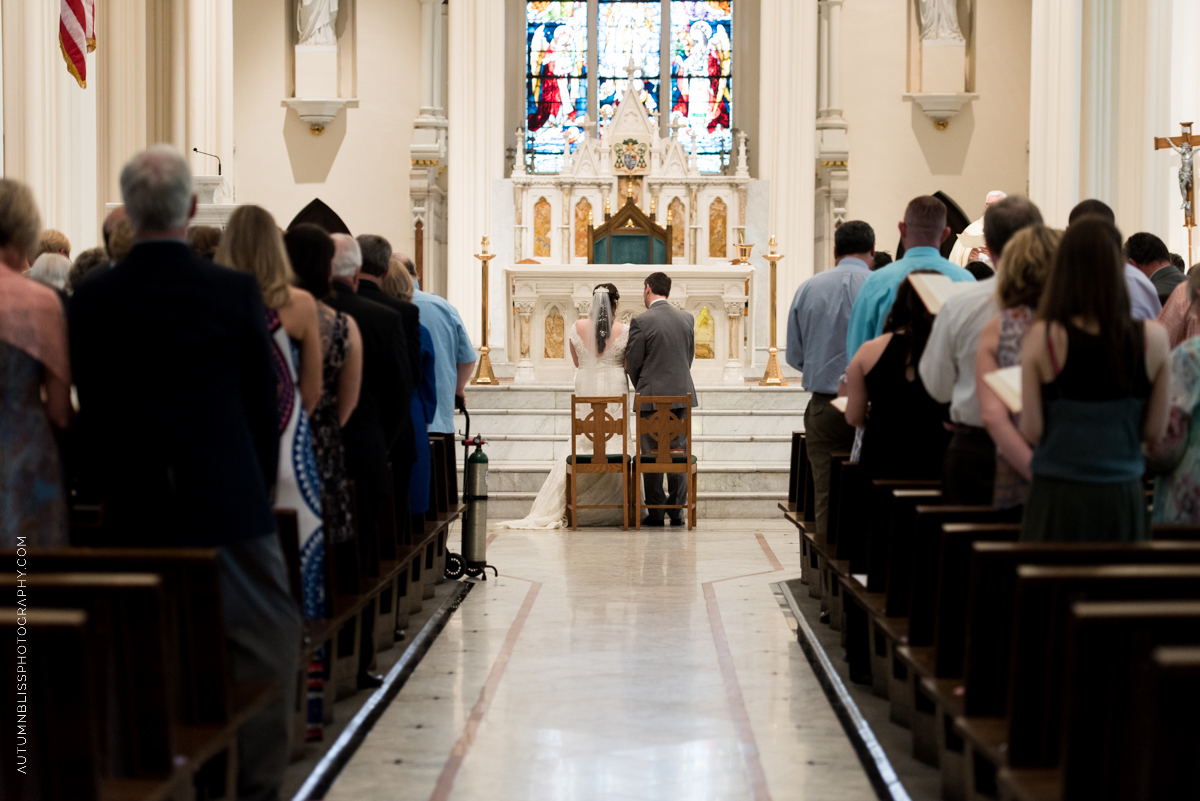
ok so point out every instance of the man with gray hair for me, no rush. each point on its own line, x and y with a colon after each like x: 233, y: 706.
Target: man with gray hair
x: 180, y: 436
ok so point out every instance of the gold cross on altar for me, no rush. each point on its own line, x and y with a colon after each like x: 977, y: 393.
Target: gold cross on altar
x: 1184, y: 145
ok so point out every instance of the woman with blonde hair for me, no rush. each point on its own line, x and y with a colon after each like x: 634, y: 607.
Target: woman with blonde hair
x: 397, y: 282
x: 1024, y: 268
x: 252, y: 244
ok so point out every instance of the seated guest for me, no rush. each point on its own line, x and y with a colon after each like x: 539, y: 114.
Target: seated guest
x: 1024, y: 268
x: 1144, y: 303
x: 51, y: 241
x: 1148, y: 254
x: 50, y: 269
x: 35, y: 384
x: 948, y: 364
x: 204, y: 239
x: 816, y: 346
x: 85, y: 263
x: 1181, y: 313
x: 310, y: 251
x: 980, y: 270
x: 173, y: 364
x: 922, y: 232
x: 399, y: 284
x: 1094, y: 388
x: 252, y: 245
x: 905, y: 434
x: 382, y: 412
x: 1176, y: 457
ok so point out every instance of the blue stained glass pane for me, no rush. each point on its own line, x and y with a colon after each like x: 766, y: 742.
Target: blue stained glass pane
x: 627, y: 29
x: 701, y: 86
x: 556, y: 85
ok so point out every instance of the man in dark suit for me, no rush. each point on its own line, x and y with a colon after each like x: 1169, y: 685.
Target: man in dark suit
x: 178, y: 417
x: 658, y: 360
x: 382, y: 416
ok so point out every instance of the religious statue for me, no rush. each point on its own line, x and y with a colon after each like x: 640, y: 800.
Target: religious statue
x: 315, y: 20
x: 939, y: 21
x: 1187, y: 153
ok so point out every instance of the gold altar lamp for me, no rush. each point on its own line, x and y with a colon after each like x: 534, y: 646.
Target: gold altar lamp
x: 773, y: 377
x: 483, y: 373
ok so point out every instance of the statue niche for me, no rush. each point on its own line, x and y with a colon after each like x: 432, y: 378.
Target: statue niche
x: 630, y: 237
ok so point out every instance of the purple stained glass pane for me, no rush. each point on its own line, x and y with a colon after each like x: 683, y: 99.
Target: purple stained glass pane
x: 556, y: 82
x: 701, y: 85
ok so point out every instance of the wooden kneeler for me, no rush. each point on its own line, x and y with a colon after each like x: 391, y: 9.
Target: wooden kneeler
x: 599, y: 427
x: 662, y: 426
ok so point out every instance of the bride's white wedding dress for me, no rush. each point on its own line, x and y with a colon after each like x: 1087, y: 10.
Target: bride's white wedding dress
x: 596, y: 377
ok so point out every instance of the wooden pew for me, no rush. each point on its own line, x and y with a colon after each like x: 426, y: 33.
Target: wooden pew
x: 1161, y: 763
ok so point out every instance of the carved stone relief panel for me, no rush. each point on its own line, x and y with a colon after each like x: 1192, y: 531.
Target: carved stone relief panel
x: 678, y: 227
x: 717, y: 229
x: 541, y: 229
x: 706, y: 335
x: 555, y: 329
x: 583, y: 212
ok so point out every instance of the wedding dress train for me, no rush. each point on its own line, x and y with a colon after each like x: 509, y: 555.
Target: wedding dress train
x: 596, y: 377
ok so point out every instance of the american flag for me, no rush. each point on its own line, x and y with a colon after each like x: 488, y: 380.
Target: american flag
x: 77, y: 35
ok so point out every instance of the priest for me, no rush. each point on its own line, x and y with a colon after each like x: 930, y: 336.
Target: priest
x: 970, y: 245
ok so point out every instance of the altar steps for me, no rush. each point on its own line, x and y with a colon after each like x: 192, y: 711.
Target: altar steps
x: 741, y: 438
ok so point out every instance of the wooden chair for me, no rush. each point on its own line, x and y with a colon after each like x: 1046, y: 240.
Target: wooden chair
x: 599, y: 427
x: 663, y: 426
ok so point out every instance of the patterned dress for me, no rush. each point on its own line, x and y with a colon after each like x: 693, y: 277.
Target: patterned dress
x: 1177, y: 494
x: 299, y: 485
x: 1011, y: 487
x: 327, y: 429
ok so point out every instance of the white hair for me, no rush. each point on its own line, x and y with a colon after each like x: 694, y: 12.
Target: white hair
x: 347, y: 256
x: 995, y: 193
x: 156, y: 186
x: 50, y: 269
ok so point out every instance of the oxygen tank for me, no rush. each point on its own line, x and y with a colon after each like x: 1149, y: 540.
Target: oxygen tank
x: 475, y: 497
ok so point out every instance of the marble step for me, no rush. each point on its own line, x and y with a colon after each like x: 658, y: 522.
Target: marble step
x: 713, y: 422
x: 706, y: 448
x: 714, y: 477
x: 516, y: 396
x: 710, y: 505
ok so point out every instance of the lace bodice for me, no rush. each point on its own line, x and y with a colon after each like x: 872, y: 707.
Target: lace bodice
x: 603, y: 375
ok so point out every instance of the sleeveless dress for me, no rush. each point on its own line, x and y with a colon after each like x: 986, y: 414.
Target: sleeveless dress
x: 596, y: 377
x: 327, y: 430
x: 1087, y: 469
x: 1011, y: 488
x: 299, y: 486
x: 905, y: 436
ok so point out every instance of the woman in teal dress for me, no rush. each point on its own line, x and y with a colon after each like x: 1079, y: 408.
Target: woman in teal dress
x: 33, y: 364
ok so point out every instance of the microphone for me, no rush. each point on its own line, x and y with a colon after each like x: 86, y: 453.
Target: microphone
x: 213, y: 155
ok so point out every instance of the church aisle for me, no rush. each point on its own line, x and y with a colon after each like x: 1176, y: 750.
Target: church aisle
x: 616, y: 665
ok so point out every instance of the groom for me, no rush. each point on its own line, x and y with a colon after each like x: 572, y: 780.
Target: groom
x: 658, y: 359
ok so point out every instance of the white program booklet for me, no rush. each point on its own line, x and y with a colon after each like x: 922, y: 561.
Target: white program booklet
x: 935, y: 289
x: 1006, y: 383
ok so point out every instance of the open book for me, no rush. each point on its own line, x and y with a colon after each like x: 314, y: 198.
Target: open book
x: 1006, y: 383
x: 839, y: 404
x: 935, y: 289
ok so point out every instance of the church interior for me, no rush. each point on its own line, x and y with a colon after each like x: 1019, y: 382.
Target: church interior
x: 909, y: 552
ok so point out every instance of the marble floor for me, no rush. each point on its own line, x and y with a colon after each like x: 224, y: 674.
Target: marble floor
x: 605, y: 664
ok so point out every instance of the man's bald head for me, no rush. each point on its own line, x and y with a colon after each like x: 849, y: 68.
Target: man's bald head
x: 995, y: 196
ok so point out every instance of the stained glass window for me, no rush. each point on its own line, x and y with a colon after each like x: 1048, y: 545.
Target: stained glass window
x: 701, y: 96
x: 556, y: 95
x: 625, y: 30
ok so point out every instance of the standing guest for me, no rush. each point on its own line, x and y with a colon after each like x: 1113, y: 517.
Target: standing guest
x: 882, y: 259
x: 1181, y: 313
x: 1144, y: 303
x: 816, y: 346
x: 1094, y: 388
x: 177, y: 392
x: 35, y: 384
x: 948, y: 364
x: 252, y: 245
x: 204, y: 239
x: 905, y: 434
x: 454, y: 356
x: 1024, y: 269
x: 310, y: 250
x: 399, y: 284
x: 1149, y: 254
x: 51, y: 241
x: 1179, y: 263
x: 85, y: 263
x: 1176, y: 458
x: 52, y: 270
x: 377, y: 422
x: 922, y: 232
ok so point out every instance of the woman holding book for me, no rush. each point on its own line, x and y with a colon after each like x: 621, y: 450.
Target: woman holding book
x: 1024, y: 267
x: 1094, y: 389
x: 905, y: 434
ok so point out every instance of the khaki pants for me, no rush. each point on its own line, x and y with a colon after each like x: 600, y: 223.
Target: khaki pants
x: 826, y: 432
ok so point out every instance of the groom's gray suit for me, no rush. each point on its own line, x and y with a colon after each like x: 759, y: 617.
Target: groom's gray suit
x: 658, y: 359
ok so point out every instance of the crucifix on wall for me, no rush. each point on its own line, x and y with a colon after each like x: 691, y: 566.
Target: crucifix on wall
x: 1184, y: 145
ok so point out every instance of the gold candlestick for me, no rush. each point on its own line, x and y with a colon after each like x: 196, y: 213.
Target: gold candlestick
x: 773, y: 377
x: 743, y: 252
x: 483, y: 373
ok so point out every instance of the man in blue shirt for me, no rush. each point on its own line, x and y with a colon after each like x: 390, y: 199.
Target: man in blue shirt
x: 453, y: 355
x: 816, y: 346
x: 922, y: 233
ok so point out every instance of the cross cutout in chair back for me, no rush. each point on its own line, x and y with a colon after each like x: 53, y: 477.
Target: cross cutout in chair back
x: 598, y: 426
x: 663, y: 424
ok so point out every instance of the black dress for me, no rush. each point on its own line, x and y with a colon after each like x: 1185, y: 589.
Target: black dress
x: 905, y: 435
x: 327, y: 429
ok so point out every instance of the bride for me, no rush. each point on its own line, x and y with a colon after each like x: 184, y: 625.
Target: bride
x: 598, y: 350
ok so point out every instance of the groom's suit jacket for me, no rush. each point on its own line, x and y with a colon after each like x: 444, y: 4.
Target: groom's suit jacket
x: 658, y: 356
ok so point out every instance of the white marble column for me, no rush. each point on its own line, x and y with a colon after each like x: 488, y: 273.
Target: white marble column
x: 787, y: 122
x: 476, y: 152
x: 735, y: 368
x: 428, y: 152
x: 208, y: 84
x: 49, y: 122
x: 1054, y: 107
